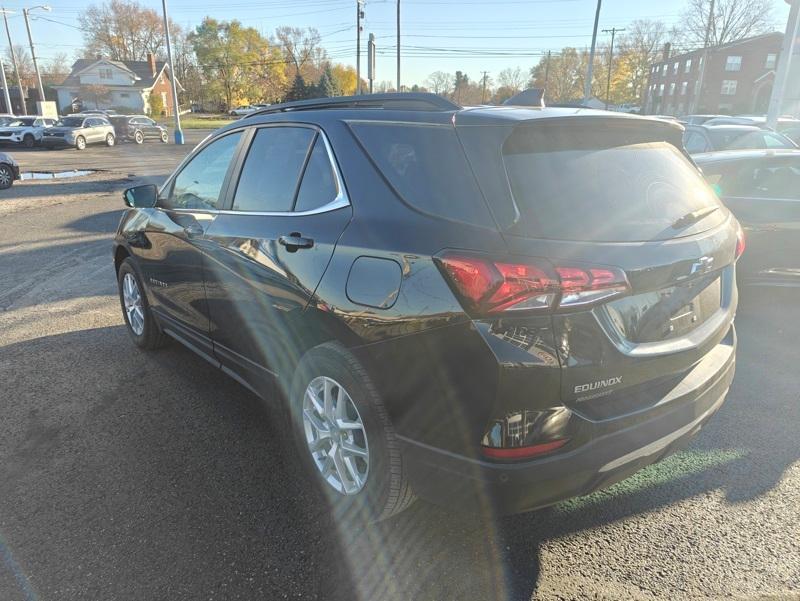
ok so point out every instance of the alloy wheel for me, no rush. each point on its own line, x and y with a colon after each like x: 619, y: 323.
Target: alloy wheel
x: 5, y: 177
x: 132, y: 299
x: 336, y: 436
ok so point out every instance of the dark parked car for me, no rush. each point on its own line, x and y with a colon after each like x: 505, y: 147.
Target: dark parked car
x: 793, y: 133
x: 79, y: 131
x: 498, y: 305
x: 698, y: 119
x: 9, y: 171
x: 709, y: 138
x: 762, y: 188
x: 138, y: 128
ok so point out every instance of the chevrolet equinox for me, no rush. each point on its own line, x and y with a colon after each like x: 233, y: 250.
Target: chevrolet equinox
x: 495, y: 306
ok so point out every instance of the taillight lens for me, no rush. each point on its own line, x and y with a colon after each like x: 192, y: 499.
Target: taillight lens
x: 740, y: 243
x: 488, y: 287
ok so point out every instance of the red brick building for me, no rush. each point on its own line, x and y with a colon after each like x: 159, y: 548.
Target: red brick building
x: 733, y: 78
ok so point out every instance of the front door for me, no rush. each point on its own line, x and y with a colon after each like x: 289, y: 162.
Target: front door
x: 270, y: 250
x: 172, y: 257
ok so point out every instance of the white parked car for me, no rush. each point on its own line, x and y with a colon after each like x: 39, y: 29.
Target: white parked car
x: 241, y: 111
x: 27, y: 131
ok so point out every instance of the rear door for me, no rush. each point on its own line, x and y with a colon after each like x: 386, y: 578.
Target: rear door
x: 270, y: 248
x: 764, y: 194
x: 149, y: 127
x: 596, y: 193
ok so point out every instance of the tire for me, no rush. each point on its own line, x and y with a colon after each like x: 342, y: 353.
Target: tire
x: 110, y: 140
x: 145, y: 334
x: 6, y: 177
x: 164, y: 137
x: 28, y: 141
x: 138, y: 137
x: 80, y: 143
x: 385, y: 490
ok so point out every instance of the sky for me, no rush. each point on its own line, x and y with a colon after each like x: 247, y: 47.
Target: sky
x: 447, y: 35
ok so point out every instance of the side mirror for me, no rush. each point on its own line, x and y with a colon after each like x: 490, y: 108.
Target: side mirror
x: 141, y: 197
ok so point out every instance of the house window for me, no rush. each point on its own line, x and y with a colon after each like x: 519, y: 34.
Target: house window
x: 661, y: 89
x: 688, y: 66
x: 733, y: 63
x: 675, y: 68
x: 697, y: 87
x: 106, y: 74
x: 728, y: 87
x: 684, y: 87
x: 700, y: 63
x: 772, y: 60
x: 664, y: 70
x: 672, y: 88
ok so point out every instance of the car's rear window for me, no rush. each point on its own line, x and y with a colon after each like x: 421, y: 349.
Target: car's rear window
x: 426, y: 166
x: 605, y: 186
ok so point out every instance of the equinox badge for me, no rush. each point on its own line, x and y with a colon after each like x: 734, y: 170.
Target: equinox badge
x: 599, y: 384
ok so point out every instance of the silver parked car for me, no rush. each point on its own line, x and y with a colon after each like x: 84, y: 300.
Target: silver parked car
x: 80, y: 130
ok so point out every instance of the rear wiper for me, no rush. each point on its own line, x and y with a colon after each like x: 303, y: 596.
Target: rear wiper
x: 693, y: 217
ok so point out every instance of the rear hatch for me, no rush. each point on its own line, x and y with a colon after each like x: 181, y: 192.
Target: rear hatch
x: 606, y: 195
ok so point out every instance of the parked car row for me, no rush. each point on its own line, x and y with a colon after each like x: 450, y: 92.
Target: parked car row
x: 241, y: 111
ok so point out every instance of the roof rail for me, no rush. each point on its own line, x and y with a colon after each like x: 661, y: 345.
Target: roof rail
x: 403, y: 102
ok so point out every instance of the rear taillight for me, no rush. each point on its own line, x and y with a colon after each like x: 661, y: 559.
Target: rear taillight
x: 486, y: 287
x: 740, y: 243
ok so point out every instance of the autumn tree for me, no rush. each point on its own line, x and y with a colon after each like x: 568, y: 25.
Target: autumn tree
x: 123, y: 30
x: 234, y: 60
x: 512, y: 79
x: 344, y: 78
x: 640, y: 47
x: 301, y: 49
x: 566, y: 75
x: 156, y: 104
x: 732, y: 20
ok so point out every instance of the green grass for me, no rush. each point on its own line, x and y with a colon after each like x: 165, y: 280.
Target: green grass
x: 192, y: 122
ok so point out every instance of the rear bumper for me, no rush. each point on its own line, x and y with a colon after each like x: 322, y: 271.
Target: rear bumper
x: 618, y: 448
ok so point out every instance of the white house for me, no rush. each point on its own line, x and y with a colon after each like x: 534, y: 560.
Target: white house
x: 104, y: 83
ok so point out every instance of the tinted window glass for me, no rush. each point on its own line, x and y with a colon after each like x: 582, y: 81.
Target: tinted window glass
x: 779, y: 179
x: 572, y: 184
x: 773, y: 141
x: 318, y: 187
x: 427, y: 167
x: 272, y: 169
x: 694, y: 142
x: 199, y: 184
x: 722, y: 139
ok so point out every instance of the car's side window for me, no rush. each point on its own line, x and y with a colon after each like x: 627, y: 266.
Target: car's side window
x: 271, y: 171
x: 778, y: 180
x: 694, y: 142
x: 319, y: 186
x: 199, y: 183
x: 773, y: 141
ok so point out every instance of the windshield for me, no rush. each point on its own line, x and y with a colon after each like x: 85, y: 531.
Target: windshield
x: 70, y: 122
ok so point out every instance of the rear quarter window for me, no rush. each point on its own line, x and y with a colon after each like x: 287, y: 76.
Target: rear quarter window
x: 426, y: 167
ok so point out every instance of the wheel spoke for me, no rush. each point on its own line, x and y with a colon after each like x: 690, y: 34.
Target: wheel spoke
x: 319, y: 406
x: 349, y: 449
x: 353, y: 471
x: 344, y: 424
x: 338, y: 462
x: 320, y: 426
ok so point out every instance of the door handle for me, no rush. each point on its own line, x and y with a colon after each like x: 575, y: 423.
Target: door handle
x: 193, y: 230
x: 294, y: 241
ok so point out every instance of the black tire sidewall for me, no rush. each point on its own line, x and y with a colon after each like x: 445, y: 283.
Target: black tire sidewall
x: 151, y: 332
x: 28, y: 141
x: 335, y: 362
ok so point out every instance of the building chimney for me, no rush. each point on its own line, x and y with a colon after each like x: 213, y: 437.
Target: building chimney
x: 151, y: 59
x: 667, y: 48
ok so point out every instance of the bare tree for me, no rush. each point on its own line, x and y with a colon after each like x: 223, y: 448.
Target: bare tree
x: 56, y: 69
x: 439, y: 82
x: 24, y: 64
x: 733, y: 20
x: 640, y: 47
x: 123, y: 30
x: 513, y: 79
x: 300, y: 46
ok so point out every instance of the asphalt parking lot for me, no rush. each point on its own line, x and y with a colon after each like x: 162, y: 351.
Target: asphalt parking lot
x: 128, y: 475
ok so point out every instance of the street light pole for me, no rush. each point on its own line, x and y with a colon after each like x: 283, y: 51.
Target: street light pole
x: 359, y: 16
x: 784, y: 64
x: 587, y: 85
x: 398, y: 45
x: 25, y: 12
x: 613, y: 31
x: 175, y: 108
x: 5, y: 88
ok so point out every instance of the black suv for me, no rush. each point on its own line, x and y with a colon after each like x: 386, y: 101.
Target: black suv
x: 138, y: 128
x: 497, y: 306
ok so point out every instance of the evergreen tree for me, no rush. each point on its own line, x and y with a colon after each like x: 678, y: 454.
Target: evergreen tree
x: 299, y: 89
x: 326, y: 87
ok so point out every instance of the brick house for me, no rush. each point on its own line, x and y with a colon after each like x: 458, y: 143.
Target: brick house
x: 733, y: 78
x: 104, y: 83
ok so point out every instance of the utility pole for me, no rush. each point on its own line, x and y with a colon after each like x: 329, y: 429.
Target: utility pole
x: 175, y: 108
x: 702, y: 75
x: 25, y: 12
x: 710, y: 25
x: 546, y: 70
x: 784, y: 64
x: 371, y: 61
x: 359, y: 16
x: 14, y: 62
x: 613, y: 31
x: 398, y: 45
x: 483, y: 92
x: 9, y: 110
x: 587, y: 85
